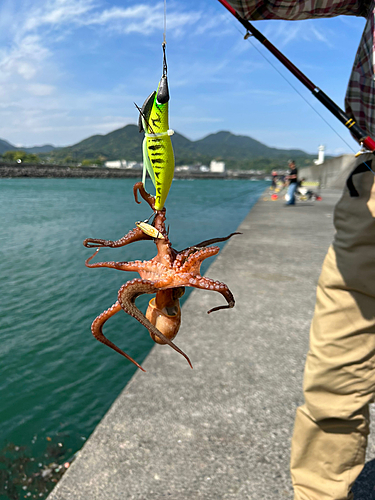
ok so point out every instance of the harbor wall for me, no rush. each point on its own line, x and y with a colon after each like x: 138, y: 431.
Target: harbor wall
x: 331, y: 174
x: 68, y: 171
x: 222, y: 431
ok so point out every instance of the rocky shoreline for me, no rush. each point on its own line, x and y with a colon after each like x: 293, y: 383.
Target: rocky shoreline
x: 66, y: 171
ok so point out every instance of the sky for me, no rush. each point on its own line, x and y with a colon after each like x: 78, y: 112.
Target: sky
x: 70, y: 69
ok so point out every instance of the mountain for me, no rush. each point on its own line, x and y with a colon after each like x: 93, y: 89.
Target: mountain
x: 237, y: 151
x: 227, y: 145
x: 124, y: 143
x: 39, y: 149
x: 7, y: 146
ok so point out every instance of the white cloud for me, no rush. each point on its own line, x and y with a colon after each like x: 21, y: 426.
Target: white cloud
x: 33, y: 33
x: 284, y: 33
x: 47, y: 45
x: 144, y: 19
x: 41, y: 89
x: 23, y: 58
x: 53, y: 13
x: 35, y: 94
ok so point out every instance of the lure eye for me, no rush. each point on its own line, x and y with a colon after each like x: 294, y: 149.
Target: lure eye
x: 163, y: 92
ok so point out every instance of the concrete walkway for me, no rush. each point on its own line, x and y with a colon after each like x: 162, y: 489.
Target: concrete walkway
x: 222, y: 430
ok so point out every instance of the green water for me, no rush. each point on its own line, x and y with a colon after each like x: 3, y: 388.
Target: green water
x: 56, y: 380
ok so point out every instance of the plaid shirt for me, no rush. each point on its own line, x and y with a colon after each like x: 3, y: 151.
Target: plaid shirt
x: 360, y: 94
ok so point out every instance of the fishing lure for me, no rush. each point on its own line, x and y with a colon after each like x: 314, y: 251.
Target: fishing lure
x: 149, y: 230
x: 158, y: 157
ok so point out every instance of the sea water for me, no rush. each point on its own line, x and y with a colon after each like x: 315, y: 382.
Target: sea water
x: 56, y: 380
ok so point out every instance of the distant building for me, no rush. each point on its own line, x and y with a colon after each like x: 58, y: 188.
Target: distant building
x: 188, y: 168
x: 320, y: 158
x: 116, y: 164
x: 123, y: 164
x: 217, y: 166
x: 134, y: 165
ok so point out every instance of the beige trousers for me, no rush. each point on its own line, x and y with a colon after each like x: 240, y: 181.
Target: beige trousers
x: 331, y: 428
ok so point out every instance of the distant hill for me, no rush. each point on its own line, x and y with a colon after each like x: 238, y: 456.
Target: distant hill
x: 124, y: 143
x: 227, y: 145
x: 39, y: 149
x: 7, y: 146
x: 241, y: 152
x: 238, y: 151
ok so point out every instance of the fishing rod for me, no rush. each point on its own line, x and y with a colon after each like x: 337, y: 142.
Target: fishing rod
x: 359, y: 134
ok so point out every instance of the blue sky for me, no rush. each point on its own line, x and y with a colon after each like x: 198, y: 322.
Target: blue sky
x: 73, y: 68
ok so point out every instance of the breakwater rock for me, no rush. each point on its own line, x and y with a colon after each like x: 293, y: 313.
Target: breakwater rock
x: 67, y: 171
x: 63, y: 171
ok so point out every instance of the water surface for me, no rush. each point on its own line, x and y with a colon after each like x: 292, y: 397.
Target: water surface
x: 56, y: 379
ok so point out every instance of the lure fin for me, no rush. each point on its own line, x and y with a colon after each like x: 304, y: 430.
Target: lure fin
x: 145, y: 111
x: 147, y: 163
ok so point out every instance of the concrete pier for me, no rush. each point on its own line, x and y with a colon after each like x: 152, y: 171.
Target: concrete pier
x: 222, y: 430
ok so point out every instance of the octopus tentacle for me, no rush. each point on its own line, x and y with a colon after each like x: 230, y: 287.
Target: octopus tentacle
x: 126, y: 297
x: 206, y: 243
x: 135, y: 234
x: 194, y: 261
x: 159, y: 220
x: 97, y: 326
x: 208, y: 284
x: 139, y: 186
x: 166, y: 254
x: 122, y: 266
x: 166, y: 275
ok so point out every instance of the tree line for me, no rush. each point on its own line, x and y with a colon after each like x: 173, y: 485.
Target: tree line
x: 20, y: 157
x: 23, y: 157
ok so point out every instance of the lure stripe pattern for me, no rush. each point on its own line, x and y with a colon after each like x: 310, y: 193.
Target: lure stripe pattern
x: 360, y: 94
x: 159, y: 149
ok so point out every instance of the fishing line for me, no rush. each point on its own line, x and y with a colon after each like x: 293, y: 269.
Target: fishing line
x: 247, y: 37
x: 165, y: 24
x: 294, y: 88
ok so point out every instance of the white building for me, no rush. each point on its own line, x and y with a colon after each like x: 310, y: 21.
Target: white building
x: 116, y: 164
x: 217, y: 166
x: 204, y: 168
x: 320, y: 159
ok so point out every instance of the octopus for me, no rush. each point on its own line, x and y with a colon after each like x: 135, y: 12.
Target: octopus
x: 166, y: 275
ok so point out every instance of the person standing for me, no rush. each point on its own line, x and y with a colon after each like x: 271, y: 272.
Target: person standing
x: 274, y: 180
x: 331, y: 428
x: 292, y: 178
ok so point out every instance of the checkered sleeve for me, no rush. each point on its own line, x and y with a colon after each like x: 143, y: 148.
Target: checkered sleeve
x: 296, y: 10
x: 360, y: 95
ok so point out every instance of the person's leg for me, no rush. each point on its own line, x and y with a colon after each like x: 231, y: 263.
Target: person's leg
x: 291, y: 194
x: 330, y: 434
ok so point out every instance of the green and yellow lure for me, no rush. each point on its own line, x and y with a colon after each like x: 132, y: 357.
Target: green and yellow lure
x: 158, y: 157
